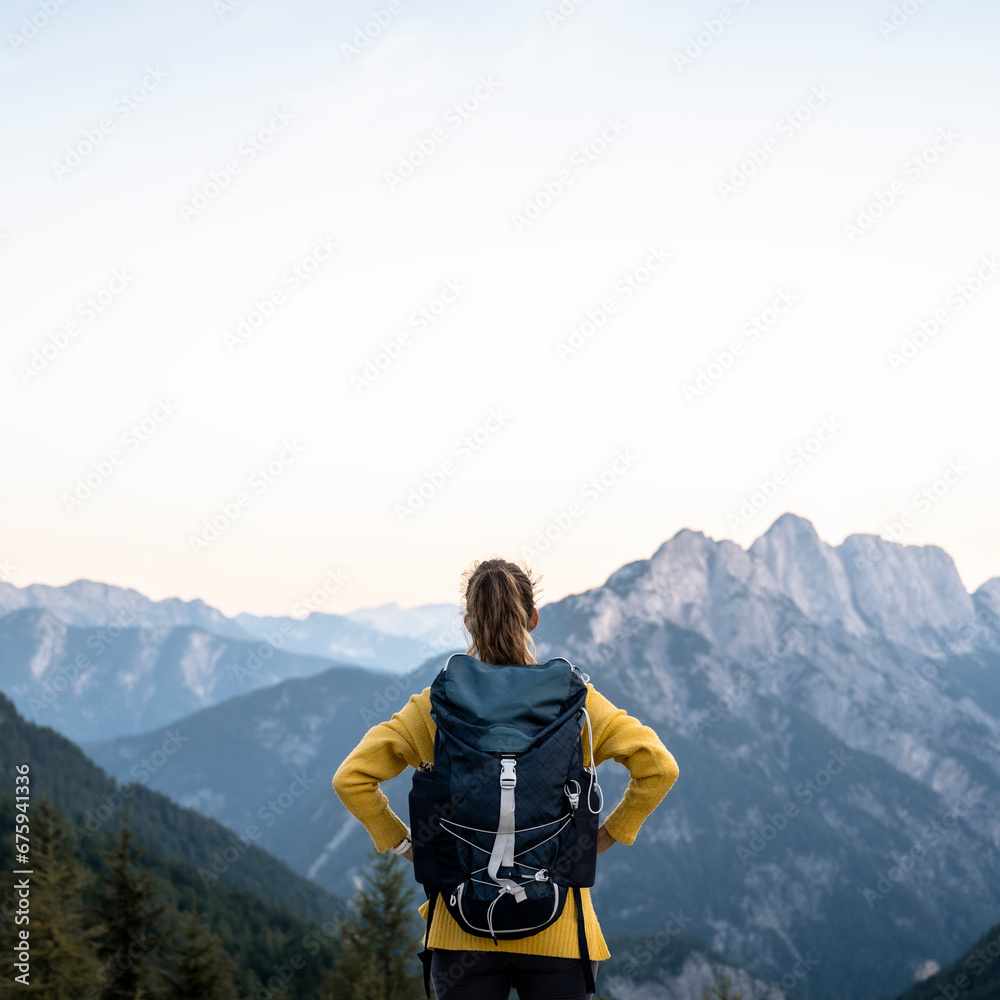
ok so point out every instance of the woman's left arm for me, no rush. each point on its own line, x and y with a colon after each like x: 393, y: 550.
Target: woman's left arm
x: 385, y: 751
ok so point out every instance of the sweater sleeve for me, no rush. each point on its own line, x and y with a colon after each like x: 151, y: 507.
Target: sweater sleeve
x: 651, y: 766
x: 385, y: 751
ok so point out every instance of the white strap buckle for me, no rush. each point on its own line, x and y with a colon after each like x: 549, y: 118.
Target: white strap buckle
x: 508, y: 774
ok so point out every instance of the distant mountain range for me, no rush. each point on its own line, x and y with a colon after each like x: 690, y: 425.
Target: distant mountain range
x: 835, y: 712
x: 86, y: 604
x: 97, y: 661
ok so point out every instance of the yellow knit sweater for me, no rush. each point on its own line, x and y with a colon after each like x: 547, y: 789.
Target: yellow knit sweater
x: 408, y: 738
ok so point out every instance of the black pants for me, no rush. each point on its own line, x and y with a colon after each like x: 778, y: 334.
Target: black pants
x: 484, y: 975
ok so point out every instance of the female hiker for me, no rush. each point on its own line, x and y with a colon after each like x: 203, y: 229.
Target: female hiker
x: 505, y: 822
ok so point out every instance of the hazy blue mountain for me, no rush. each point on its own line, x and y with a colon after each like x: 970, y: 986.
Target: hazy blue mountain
x: 96, y: 661
x: 241, y: 755
x: 86, y: 604
x: 438, y: 624
x: 666, y: 965
x: 96, y: 683
x: 386, y: 638
x: 835, y: 712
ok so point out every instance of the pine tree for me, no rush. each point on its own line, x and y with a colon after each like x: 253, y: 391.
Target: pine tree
x: 379, y: 943
x: 63, y: 954
x: 130, y: 921
x: 720, y: 991
x: 201, y: 969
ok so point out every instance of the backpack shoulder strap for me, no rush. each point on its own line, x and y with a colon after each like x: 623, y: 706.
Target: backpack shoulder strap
x: 426, y: 955
x: 581, y: 939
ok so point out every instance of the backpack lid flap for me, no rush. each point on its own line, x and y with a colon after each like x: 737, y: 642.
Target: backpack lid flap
x: 485, y: 694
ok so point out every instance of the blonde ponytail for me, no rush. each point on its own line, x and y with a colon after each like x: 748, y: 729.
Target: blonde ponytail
x: 499, y: 598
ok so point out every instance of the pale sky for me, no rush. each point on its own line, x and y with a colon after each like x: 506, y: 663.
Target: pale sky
x: 551, y: 170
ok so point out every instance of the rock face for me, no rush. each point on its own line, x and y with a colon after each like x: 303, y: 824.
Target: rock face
x: 835, y: 713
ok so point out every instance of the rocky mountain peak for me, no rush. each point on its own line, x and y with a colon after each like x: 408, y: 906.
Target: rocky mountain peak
x: 912, y: 594
x: 809, y: 571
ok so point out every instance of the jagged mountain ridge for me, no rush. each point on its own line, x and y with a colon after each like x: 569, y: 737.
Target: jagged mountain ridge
x: 97, y: 661
x: 910, y: 595
x: 91, y: 683
x: 755, y: 667
x: 88, y: 604
x: 358, y: 636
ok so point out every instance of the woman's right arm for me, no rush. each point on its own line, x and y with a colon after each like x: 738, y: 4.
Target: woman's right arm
x: 651, y: 766
x: 385, y: 751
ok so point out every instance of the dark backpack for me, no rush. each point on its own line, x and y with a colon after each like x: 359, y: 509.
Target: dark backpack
x: 504, y: 822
